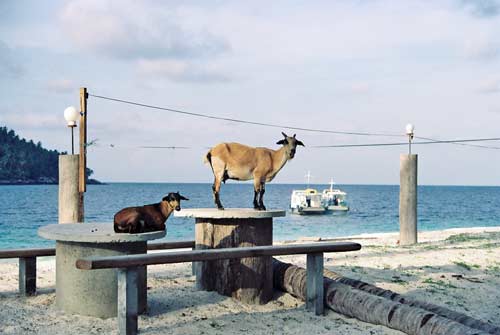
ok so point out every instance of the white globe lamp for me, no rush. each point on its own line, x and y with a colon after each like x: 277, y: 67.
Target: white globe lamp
x: 409, y: 131
x: 71, y: 116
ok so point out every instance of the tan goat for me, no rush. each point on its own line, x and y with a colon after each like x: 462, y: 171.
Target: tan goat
x: 240, y: 162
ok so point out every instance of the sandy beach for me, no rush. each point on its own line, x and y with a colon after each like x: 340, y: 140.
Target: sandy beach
x: 457, y: 268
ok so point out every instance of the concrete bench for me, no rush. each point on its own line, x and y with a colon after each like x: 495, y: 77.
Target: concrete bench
x: 27, y: 261
x: 128, y: 269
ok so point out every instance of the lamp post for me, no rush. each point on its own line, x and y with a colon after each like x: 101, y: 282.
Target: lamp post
x: 69, y: 197
x: 71, y: 115
x: 409, y: 131
x: 72, y: 176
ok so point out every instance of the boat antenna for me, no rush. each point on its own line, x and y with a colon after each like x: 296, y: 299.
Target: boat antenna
x: 308, y: 176
x: 331, y: 184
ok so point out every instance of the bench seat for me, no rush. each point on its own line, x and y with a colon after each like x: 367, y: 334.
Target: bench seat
x: 128, y: 267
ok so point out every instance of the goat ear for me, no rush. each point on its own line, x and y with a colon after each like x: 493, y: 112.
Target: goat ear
x: 300, y: 143
x: 284, y: 142
x: 182, y: 197
x: 282, y: 133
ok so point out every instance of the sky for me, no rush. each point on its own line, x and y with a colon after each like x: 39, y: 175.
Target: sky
x: 351, y: 66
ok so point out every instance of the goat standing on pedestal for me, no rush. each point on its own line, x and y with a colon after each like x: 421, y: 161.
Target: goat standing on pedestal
x: 240, y: 162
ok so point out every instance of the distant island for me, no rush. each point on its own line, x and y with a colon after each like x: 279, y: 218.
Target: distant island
x: 23, y: 162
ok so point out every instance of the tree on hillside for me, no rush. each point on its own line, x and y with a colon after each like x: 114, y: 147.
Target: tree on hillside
x: 24, y: 161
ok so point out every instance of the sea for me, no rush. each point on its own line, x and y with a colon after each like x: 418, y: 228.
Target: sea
x: 373, y: 208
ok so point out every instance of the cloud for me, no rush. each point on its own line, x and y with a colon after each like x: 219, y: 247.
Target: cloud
x: 22, y: 120
x: 482, y: 8
x: 482, y: 47
x: 360, y: 88
x: 181, y: 71
x: 61, y: 86
x: 490, y: 87
x: 9, y: 66
x: 136, y: 30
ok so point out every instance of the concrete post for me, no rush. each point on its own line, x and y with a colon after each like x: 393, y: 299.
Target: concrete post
x: 69, y: 197
x: 408, y: 199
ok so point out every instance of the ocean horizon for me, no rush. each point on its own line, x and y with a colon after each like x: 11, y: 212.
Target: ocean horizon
x: 304, y: 185
x: 373, y: 208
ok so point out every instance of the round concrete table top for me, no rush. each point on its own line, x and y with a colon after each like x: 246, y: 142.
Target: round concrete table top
x: 229, y: 213
x: 93, y: 233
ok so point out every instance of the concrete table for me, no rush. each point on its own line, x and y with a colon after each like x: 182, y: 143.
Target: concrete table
x: 93, y: 293
x: 248, y: 279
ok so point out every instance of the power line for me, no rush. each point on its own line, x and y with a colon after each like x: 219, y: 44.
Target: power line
x: 458, y: 141
x: 96, y: 143
x: 429, y: 140
x: 413, y: 143
x: 243, y: 121
x: 163, y: 147
x: 464, y: 144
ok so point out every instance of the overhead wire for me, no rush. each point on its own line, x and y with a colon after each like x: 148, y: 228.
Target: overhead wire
x: 96, y: 143
x: 163, y: 147
x: 207, y: 116
x: 413, y: 143
x: 456, y: 141
x: 460, y: 143
x: 381, y: 134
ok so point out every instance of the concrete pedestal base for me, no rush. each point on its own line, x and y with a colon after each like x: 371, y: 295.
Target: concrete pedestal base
x: 93, y: 293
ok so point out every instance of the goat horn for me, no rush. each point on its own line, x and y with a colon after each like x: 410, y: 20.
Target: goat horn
x: 284, y: 134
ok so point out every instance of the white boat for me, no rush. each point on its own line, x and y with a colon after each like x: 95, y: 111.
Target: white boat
x: 307, y: 202
x: 334, y: 199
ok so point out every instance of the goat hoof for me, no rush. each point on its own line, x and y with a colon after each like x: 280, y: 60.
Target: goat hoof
x: 221, y: 208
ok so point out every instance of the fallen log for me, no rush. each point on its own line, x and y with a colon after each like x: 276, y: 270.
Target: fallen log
x: 367, y: 307
x: 396, y: 297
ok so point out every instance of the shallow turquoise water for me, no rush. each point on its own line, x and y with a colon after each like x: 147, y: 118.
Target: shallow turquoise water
x: 374, y: 208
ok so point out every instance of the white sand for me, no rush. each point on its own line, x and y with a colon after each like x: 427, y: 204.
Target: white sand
x: 175, y: 307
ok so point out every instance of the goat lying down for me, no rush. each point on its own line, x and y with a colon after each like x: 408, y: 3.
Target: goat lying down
x: 240, y: 162
x: 147, y: 218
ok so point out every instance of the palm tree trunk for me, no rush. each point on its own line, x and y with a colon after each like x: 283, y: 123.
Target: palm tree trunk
x: 439, y: 310
x: 367, y: 307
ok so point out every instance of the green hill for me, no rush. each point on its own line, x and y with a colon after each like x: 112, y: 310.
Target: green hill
x: 24, y: 162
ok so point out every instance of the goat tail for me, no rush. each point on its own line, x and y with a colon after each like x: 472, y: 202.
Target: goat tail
x: 207, y: 159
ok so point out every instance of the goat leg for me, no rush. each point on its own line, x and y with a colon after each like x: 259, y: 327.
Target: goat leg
x: 216, y: 191
x: 217, y: 201
x: 255, y: 202
x: 261, y: 197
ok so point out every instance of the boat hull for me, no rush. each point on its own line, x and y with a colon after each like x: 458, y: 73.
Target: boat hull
x: 337, y: 208
x: 309, y: 211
